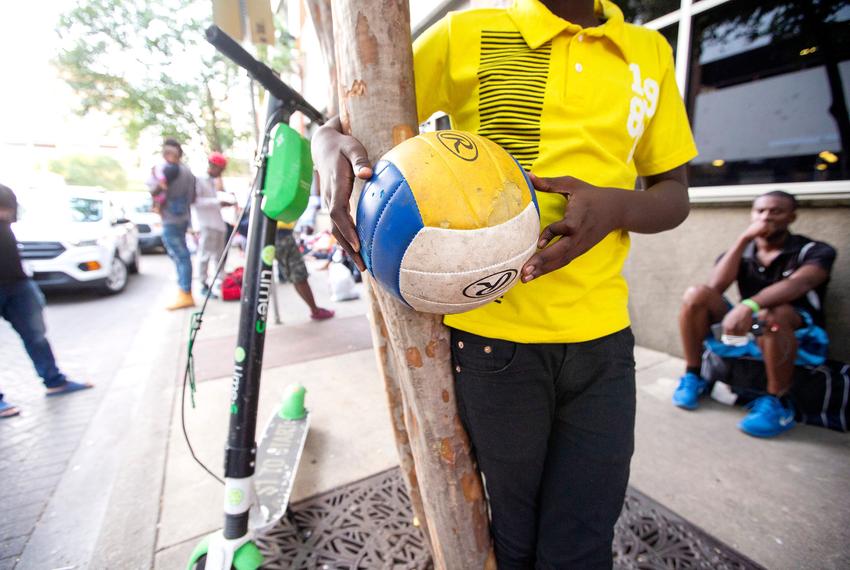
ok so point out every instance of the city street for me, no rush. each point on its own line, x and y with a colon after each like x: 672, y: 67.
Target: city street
x: 110, y: 342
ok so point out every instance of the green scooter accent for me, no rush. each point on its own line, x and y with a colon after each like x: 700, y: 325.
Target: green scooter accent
x: 289, y: 173
x: 247, y: 557
x: 293, y: 403
x: 200, y: 549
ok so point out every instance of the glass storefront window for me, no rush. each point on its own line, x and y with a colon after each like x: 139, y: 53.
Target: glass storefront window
x: 767, y: 92
x: 643, y: 11
x: 671, y: 34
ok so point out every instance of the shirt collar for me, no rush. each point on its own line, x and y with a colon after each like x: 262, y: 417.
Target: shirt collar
x: 538, y: 25
x: 793, y: 244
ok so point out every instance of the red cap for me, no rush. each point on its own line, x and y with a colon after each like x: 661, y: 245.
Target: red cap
x: 218, y: 159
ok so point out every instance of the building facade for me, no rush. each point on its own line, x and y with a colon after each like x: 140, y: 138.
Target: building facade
x: 766, y: 84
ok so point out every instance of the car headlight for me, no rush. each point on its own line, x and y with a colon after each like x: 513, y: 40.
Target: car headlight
x: 85, y: 242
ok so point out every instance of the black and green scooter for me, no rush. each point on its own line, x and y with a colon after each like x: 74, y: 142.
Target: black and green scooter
x: 258, y: 479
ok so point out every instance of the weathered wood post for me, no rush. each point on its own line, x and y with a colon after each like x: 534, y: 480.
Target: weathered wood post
x: 320, y: 12
x: 378, y: 106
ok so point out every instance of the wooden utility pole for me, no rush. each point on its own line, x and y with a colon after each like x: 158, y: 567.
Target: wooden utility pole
x: 320, y: 12
x: 377, y: 105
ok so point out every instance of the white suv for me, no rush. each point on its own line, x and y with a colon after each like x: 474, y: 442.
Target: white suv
x: 75, y: 237
x: 138, y: 207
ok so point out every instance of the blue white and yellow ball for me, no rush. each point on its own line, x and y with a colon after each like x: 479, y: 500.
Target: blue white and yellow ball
x: 447, y: 221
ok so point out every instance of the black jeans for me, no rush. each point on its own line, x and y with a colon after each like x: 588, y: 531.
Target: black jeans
x: 552, y: 427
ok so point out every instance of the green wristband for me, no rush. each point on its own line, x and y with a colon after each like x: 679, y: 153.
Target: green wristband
x: 754, y: 307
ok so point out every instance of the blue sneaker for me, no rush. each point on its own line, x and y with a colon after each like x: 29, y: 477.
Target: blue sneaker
x: 767, y: 417
x: 691, y: 387
x: 8, y: 410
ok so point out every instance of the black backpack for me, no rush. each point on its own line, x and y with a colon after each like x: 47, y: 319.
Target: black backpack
x: 820, y: 394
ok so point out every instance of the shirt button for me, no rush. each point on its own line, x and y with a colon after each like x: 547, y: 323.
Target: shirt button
x: 460, y: 344
x: 578, y: 68
x: 488, y: 349
x: 580, y: 38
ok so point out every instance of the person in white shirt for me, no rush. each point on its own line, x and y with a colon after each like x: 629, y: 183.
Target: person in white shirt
x: 210, y: 222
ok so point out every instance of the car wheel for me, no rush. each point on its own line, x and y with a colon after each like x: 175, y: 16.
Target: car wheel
x: 116, y: 281
x: 133, y: 268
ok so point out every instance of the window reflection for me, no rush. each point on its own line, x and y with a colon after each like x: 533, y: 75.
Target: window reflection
x: 643, y: 11
x: 85, y: 210
x: 671, y: 34
x: 768, y: 90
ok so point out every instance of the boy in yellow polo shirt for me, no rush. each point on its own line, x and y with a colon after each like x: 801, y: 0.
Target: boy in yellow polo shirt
x: 545, y: 377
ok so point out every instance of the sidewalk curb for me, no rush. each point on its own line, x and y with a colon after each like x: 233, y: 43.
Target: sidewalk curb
x: 131, y: 516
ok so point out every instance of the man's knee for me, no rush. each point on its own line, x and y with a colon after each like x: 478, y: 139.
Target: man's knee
x: 699, y: 295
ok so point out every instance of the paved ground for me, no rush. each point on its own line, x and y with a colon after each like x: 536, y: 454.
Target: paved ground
x: 104, y: 479
x: 784, y: 502
x: 90, y: 335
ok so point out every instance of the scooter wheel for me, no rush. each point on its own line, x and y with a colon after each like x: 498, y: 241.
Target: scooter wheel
x: 201, y: 564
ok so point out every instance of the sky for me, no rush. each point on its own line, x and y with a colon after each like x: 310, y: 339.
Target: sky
x: 34, y: 103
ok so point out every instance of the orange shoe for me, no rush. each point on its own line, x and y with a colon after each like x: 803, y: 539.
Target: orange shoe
x: 184, y: 300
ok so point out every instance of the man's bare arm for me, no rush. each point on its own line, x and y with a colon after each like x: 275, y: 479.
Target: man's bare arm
x: 726, y: 270
x: 797, y: 284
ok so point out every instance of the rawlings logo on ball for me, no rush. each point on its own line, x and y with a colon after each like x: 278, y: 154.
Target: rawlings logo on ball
x: 445, y: 235
x: 490, y: 285
x: 459, y: 144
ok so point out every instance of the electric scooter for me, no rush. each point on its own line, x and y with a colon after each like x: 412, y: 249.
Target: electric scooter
x: 258, y: 481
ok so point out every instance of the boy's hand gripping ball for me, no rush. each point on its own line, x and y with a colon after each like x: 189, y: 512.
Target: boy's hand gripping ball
x: 447, y: 221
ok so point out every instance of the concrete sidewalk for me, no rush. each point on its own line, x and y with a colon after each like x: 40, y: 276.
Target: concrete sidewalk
x: 784, y: 503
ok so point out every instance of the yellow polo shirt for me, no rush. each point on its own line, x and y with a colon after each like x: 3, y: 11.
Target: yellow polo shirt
x: 600, y: 104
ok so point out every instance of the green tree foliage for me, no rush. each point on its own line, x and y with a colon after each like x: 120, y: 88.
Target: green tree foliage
x: 88, y: 170
x: 146, y: 63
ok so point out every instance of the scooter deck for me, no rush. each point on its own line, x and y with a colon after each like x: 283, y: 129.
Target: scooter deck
x: 277, y: 463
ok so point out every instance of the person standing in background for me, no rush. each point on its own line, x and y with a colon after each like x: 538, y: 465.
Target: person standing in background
x: 22, y: 304
x: 179, y: 195
x: 210, y: 223
x: 292, y: 269
x: 230, y: 211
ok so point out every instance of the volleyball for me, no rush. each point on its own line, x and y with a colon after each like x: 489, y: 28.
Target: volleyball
x: 447, y: 221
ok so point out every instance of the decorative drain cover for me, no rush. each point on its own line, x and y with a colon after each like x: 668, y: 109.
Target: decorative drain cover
x: 368, y: 524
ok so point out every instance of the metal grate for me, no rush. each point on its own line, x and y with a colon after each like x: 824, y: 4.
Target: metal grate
x: 649, y: 536
x: 368, y: 524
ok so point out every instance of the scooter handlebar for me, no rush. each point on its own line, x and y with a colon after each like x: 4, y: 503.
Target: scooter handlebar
x: 264, y: 75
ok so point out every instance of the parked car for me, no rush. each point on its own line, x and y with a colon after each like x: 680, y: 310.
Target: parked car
x: 75, y: 237
x: 138, y: 208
